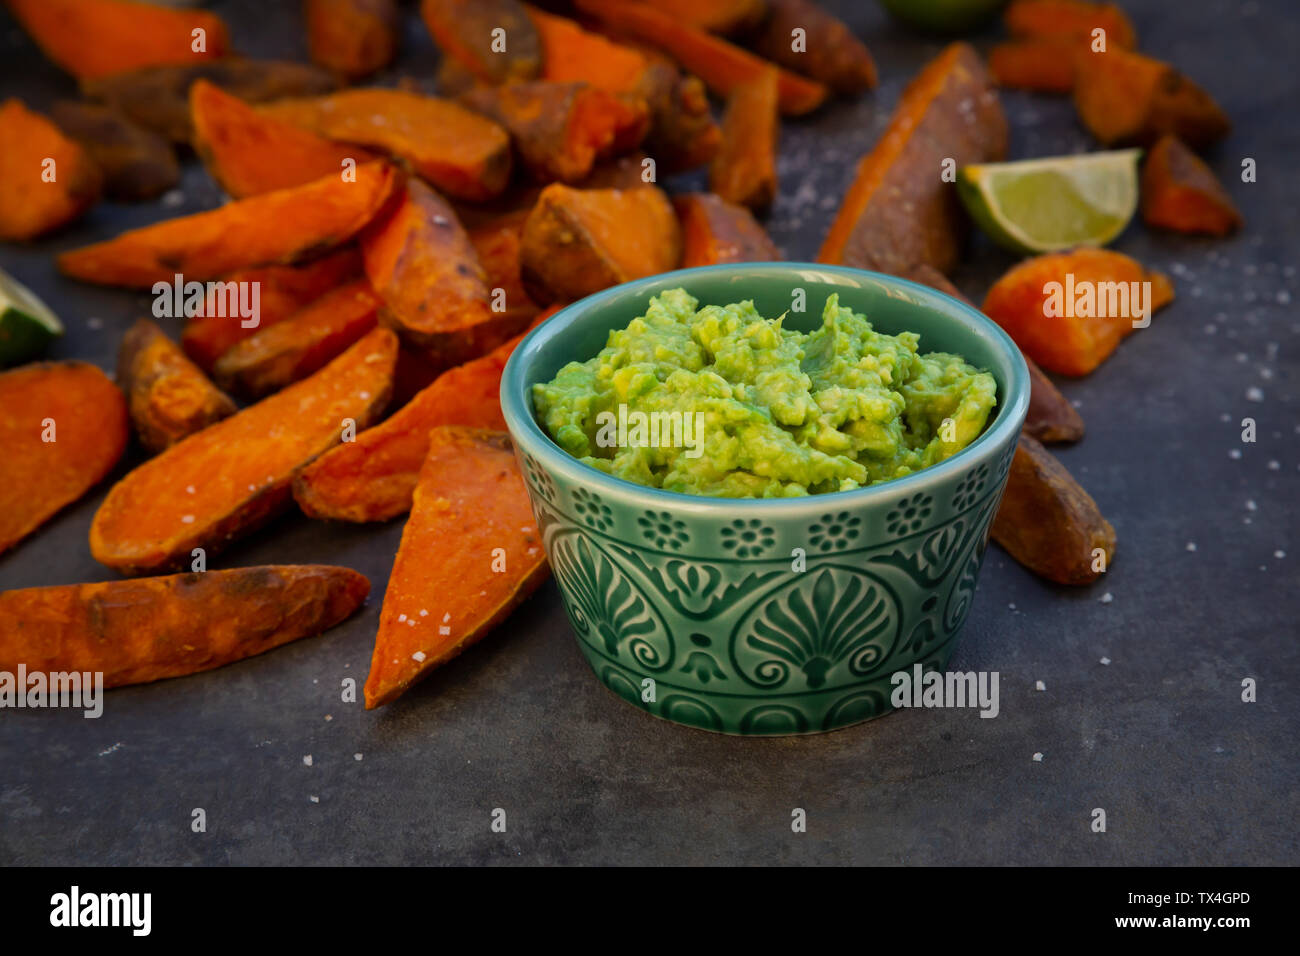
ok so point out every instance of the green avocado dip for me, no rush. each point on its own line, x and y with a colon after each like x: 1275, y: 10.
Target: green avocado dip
x: 720, y: 401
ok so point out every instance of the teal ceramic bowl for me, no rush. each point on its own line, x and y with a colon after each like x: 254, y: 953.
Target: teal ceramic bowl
x: 702, y: 610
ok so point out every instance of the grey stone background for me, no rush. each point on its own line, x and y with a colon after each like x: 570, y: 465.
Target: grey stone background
x: 1159, y: 737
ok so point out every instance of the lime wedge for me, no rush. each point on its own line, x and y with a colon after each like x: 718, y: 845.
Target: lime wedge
x: 1041, y: 205
x: 27, y: 325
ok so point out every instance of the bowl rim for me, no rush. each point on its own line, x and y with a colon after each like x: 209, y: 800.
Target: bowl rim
x: 529, y: 436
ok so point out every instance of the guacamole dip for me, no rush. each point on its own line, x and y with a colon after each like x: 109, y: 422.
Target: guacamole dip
x: 721, y: 401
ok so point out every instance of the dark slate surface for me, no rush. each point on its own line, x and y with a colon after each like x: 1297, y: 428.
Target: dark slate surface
x: 1186, y: 772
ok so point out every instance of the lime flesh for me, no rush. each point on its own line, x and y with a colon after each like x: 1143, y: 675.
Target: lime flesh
x: 27, y: 326
x: 1042, y: 205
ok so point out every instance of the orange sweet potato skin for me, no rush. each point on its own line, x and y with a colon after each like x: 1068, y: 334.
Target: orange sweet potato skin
x: 1048, y: 522
x: 136, y: 163
x: 29, y: 205
x: 282, y: 291
x: 289, y: 351
x: 715, y: 231
x: 39, y: 478
x: 1064, y: 343
x: 496, y: 243
x: 1072, y: 19
x: 167, y: 395
x: 354, y: 38
x: 372, y: 479
x: 899, y: 213
x: 158, y: 98
x: 1126, y: 99
x: 286, y: 226
x: 577, y: 242
x: 457, y: 151
x: 1179, y: 192
x: 834, y: 56
x: 248, y: 153
x: 240, y: 469
x: 744, y: 170
x: 463, y: 31
x: 560, y: 130
x: 422, y: 264
x: 444, y: 594
x: 93, y: 38
x: 1051, y: 418
x: 153, y: 628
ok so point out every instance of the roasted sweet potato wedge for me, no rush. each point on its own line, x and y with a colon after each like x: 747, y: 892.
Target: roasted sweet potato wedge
x: 465, y: 32
x: 1044, y: 65
x: 137, y: 163
x: 1069, y: 19
x: 153, y: 628
x: 63, y: 426
x: 579, y: 241
x: 282, y: 227
x: 831, y: 54
x: 456, y: 150
x: 93, y: 38
x: 46, y: 178
x: 716, y: 231
x: 353, y: 38
x: 899, y: 212
x: 471, y: 518
x: 1127, y: 99
x: 744, y: 170
x: 281, y: 291
x: 289, y: 351
x: 248, y: 153
x: 233, y: 476
x: 1069, y: 310
x: 1180, y: 192
x: 1048, y: 522
x: 372, y: 478
x: 169, y: 398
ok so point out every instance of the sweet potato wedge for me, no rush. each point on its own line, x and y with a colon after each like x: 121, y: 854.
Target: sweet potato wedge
x: 283, y: 353
x: 168, y: 397
x: 496, y: 243
x: 63, y: 426
x: 137, y: 164
x: 1069, y: 19
x: 1051, y: 417
x: 281, y: 290
x: 744, y: 170
x: 1048, y: 522
x: 560, y: 130
x: 148, y: 629
x: 1127, y: 99
x: 353, y: 38
x: 158, y: 98
x: 93, y: 38
x: 721, y: 65
x: 1069, y: 310
x: 899, y: 212
x: 716, y: 231
x: 46, y: 178
x: 248, y: 153
x: 372, y: 478
x: 232, y: 477
x: 1180, y: 192
x: 579, y: 241
x: 683, y: 134
x: 832, y: 54
x: 457, y: 151
x: 283, y: 227
x: 435, y: 295
x: 1043, y: 65
x: 471, y: 518
x: 465, y: 32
